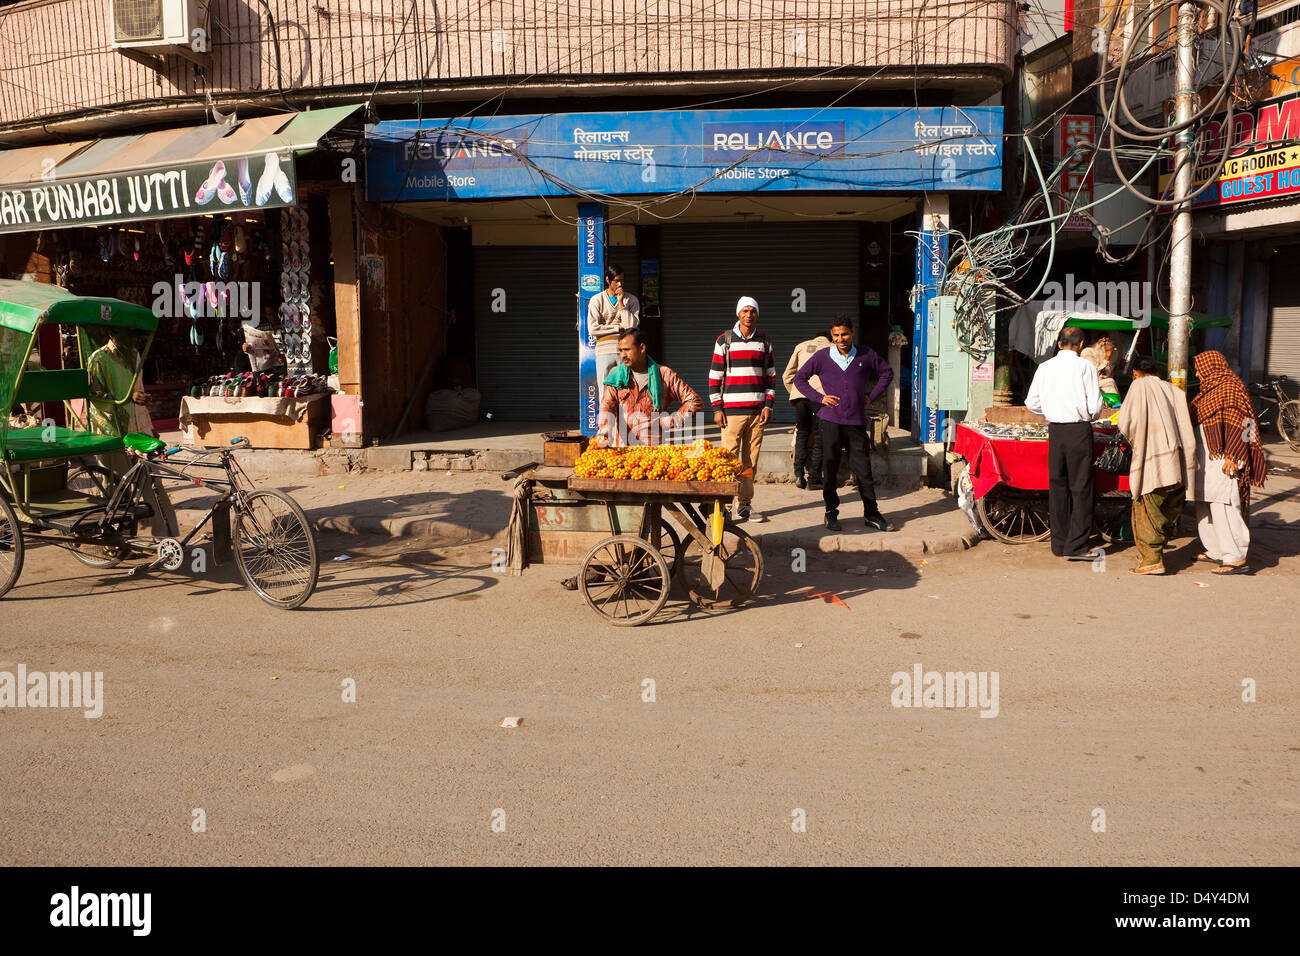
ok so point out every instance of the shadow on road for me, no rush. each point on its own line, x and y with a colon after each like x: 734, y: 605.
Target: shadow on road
x: 396, y: 576
x: 827, y: 581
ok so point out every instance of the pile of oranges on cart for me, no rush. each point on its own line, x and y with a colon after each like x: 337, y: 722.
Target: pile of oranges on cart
x: 698, y: 462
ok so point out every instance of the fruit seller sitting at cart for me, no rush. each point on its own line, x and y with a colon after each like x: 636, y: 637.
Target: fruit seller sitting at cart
x: 637, y: 396
x: 844, y: 371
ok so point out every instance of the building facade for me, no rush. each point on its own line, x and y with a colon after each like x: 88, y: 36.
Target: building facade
x: 425, y: 287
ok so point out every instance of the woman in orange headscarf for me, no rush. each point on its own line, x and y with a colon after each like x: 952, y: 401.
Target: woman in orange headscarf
x: 1232, y: 461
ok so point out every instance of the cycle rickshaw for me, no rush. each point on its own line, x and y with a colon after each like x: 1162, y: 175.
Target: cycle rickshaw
x: 89, y: 485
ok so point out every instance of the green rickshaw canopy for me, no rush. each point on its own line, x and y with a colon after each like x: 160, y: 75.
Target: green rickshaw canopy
x: 1159, y: 319
x: 1199, y: 320
x: 26, y: 305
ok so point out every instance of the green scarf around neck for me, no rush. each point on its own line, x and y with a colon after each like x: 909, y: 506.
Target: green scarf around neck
x: 621, y: 377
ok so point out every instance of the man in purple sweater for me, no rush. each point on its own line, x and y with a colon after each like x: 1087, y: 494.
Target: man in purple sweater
x: 844, y: 371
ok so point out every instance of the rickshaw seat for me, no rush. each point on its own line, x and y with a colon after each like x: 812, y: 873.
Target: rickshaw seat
x: 31, y: 444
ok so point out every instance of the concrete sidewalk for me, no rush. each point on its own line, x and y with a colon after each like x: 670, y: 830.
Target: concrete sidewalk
x: 450, y: 508
x: 499, y: 446
x: 455, y: 509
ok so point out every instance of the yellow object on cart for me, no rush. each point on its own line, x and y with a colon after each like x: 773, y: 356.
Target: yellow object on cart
x: 715, y: 524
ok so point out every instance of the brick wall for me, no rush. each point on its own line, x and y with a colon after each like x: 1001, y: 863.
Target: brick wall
x: 56, y: 58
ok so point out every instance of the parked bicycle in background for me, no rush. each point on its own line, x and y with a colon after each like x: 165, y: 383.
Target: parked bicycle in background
x: 1278, y: 408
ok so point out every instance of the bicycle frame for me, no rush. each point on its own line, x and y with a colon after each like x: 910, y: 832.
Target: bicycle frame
x: 1272, y: 402
x: 96, y: 525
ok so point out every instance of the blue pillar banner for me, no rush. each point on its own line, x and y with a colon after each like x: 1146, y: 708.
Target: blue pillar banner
x: 931, y: 259
x: 591, y: 279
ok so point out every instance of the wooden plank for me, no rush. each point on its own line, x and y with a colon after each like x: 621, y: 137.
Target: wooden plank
x: 669, y: 489
x: 567, y: 548
x: 262, y: 431
x: 347, y: 304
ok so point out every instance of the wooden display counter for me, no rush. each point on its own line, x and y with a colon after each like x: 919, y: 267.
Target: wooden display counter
x: 288, y: 423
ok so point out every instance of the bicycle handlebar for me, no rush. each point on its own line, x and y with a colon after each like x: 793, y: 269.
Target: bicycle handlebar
x: 1268, y: 386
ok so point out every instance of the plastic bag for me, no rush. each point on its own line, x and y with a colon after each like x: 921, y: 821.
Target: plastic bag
x: 1117, y: 457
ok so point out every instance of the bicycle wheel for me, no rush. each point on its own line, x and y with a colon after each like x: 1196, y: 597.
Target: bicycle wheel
x: 11, y: 547
x: 1288, y: 422
x: 275, y: 548
x: 95, y: 483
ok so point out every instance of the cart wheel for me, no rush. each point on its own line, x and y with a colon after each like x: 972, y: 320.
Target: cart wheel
x: 11, y: 547
x: 275, y: 548
x: 725, y: 576
x: 625, y: 580
x: 670, y: 546
x: 1013, y: 516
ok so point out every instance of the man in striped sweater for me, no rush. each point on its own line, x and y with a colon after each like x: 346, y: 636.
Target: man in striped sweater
x: 742, y: 389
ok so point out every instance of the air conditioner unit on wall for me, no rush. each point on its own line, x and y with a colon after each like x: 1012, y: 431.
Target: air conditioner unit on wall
x: 156, y: 25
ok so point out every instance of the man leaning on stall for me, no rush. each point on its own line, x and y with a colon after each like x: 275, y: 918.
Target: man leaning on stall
x: 1066, y: 392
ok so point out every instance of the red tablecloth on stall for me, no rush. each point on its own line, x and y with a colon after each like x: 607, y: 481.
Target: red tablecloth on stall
x: 1020, y: 462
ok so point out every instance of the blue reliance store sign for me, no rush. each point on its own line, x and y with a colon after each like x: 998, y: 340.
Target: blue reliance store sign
x: 942, y: 149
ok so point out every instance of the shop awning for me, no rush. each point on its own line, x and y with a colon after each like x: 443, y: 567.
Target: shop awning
x: 185, y: 171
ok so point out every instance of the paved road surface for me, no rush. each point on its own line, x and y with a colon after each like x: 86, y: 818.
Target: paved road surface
x: 1115, y: 693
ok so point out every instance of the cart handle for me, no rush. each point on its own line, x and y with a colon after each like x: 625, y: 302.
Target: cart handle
x: 518, y: 470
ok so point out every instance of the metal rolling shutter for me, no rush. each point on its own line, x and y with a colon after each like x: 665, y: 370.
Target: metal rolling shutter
x: 528, y: 355
x: 707, y: 267
x: 1284, y: 322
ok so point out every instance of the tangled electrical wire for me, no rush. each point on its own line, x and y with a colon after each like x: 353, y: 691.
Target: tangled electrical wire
x: 985, y: 273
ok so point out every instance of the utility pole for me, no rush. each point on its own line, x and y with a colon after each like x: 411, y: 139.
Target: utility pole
x: 1180, y: 262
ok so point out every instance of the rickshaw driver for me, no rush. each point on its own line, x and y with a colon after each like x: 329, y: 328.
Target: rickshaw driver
x: 112, y: 372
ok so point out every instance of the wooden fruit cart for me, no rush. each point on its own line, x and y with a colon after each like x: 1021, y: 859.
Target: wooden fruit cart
x: 631, y: 537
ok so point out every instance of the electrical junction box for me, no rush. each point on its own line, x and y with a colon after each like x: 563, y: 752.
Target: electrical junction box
x: 948, y: 368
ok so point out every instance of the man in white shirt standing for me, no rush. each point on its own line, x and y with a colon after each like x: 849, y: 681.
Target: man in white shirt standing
x: 1066, y: 392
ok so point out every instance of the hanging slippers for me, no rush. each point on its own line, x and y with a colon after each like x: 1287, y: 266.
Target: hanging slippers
x: 1242, y: 568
